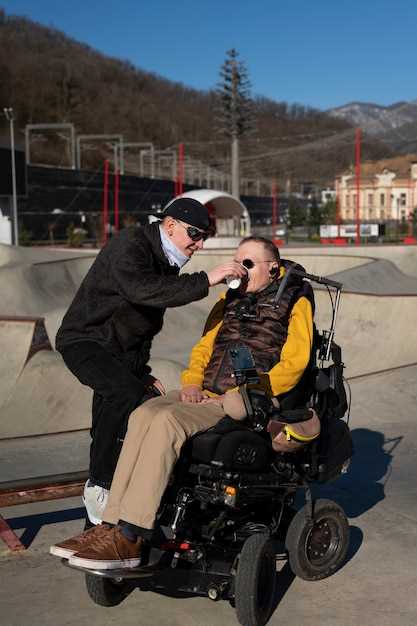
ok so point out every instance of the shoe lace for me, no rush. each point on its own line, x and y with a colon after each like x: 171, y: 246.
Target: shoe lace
x: 103, y: 539
x: 93, y: 532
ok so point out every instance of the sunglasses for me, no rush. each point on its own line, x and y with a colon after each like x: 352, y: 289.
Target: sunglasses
x: 194, y: 233
x: 249, y: 264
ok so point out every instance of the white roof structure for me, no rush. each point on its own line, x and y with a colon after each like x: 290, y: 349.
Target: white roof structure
x: 225, y: 205
x: 232, y: 217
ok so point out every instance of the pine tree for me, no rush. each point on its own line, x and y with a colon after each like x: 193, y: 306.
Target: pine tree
x: 234, y: 91
x: 236, y: 107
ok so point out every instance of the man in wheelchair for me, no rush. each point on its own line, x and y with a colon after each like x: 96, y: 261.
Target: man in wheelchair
x: 260, y: 335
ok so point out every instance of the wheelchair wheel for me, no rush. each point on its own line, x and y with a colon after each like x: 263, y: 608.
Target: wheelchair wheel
x: 105, y: 591
x: 317, y: 551
x: 255, y: 581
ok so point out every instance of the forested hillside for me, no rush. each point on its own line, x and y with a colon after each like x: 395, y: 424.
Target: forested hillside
x: 48, y: 77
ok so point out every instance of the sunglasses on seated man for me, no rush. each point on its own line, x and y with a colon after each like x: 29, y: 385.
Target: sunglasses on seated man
x: 249, y: 264
x: 194, y: 233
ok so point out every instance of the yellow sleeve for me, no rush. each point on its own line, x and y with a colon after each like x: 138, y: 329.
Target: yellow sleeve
x: 202, y: 351
x: 296, y: 351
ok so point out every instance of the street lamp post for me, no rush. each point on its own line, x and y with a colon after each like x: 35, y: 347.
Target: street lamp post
x: 8, y: 112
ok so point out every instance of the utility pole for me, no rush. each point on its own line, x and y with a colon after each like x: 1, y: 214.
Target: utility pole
x: 235, y: 137
x: 235, y: 166
x: 8, y: 113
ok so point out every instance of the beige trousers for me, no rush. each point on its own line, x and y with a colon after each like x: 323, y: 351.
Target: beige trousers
x: 155, y: 435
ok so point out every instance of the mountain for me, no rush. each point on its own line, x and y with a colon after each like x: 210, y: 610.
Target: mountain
x: 395, y: 125
x: 48, y: 77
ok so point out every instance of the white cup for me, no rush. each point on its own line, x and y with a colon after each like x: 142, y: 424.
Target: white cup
x: 232, y: 282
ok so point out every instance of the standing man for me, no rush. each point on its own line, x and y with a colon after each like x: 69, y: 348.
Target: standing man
x: 106, y: 335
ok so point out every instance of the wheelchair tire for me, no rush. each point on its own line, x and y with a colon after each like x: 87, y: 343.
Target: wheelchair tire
x: 255, y: 581
x: 105, y: 591
x: 318, y: 551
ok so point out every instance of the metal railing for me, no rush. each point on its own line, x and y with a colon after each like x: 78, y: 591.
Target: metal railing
x: 39, y: 489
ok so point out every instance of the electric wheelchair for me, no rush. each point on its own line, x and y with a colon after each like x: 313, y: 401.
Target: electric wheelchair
x: 228, y: 514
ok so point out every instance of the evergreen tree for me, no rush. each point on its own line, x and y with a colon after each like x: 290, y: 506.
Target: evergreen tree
x: 236, y: 115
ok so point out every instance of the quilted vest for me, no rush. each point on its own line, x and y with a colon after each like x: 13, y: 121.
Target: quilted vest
x: 263, y: 329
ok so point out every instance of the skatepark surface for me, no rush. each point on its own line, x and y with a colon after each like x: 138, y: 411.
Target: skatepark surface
x: 375, y: 586
x: 44, y: 414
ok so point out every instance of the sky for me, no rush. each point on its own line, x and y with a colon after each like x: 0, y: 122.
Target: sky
x: 322, y: 53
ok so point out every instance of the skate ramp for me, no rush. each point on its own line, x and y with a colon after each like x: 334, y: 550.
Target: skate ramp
x: 378, y: 276
x: 167, y: 371
x: 42, y: 289
x: 403, y: 256
x: 20, y: 338
x: 183, y: 327
x: 38, y: 395
x: 46, y: 398
x: 323, y: 265
x: 12, y: 255
x: 377, y: 331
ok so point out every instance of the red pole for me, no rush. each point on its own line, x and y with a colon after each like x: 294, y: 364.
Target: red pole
x: 105, y: 201
x: 116, y: 199
x: 180, y: 168
x: 339, y: 241
x: 177, y: 177
x: 358, y: 184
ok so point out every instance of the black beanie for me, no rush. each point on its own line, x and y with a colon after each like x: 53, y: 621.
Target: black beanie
x: 188, y: 210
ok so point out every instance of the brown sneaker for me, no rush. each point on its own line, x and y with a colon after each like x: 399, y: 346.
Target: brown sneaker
x: 67, y: 548
x: 111, y: 550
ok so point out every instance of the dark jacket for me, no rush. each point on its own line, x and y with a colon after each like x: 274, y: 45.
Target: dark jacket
x: 122, y: 300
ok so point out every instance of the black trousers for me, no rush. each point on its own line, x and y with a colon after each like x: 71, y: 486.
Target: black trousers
x: 118, y: 390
